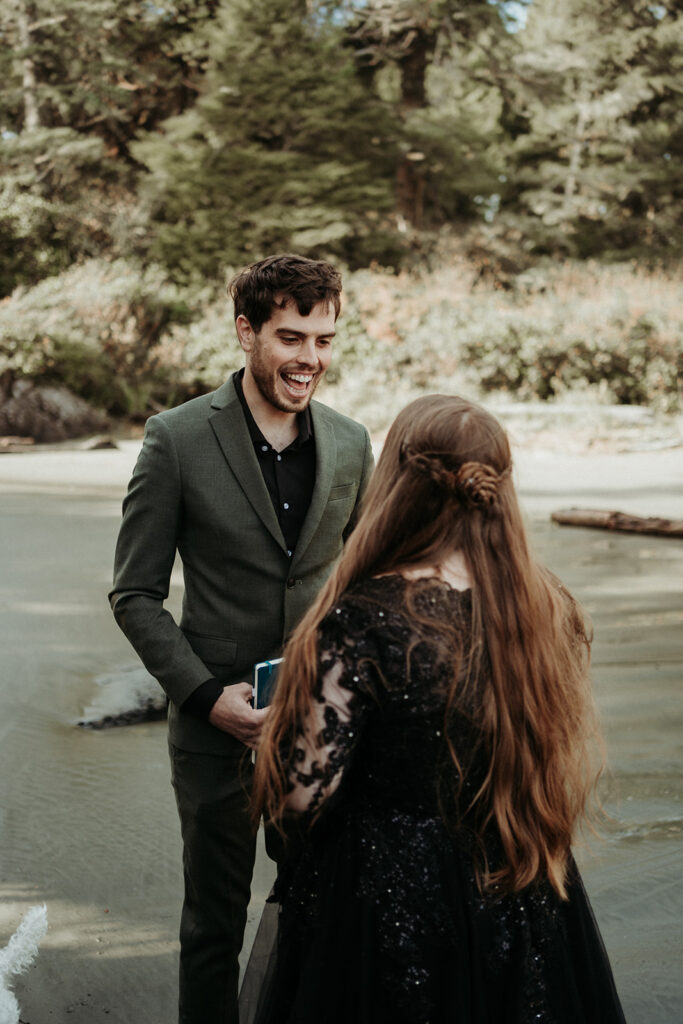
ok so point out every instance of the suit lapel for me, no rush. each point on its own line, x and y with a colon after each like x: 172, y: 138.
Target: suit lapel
x: 228, y: 424
x: 325, y: 465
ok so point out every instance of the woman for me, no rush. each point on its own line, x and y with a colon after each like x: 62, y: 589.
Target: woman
x: 432, y: 743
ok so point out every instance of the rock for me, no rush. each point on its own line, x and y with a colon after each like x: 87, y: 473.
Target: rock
x: 46, y: 413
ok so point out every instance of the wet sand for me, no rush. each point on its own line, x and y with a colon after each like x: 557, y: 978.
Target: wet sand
x: 87, y: 819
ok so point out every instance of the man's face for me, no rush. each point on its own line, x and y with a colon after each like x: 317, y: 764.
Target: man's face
x: 289, y: 355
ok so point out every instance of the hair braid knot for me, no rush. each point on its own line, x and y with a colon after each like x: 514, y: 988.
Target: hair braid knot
x: 473, y: 484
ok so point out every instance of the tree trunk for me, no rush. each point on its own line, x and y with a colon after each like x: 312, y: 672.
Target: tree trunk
x: 413, y: 65
x: 31, y: 114
x: 576, y: 146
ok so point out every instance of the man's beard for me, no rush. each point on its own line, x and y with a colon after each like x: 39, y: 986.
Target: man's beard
x: 267, y: 383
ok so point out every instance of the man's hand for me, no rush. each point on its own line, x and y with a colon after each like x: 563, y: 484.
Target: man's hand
x: 233, y: 713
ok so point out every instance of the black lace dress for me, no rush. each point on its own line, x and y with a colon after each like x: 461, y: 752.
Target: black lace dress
x: 380, y: 916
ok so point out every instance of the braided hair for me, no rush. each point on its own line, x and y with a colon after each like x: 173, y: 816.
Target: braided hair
x: 473, y: 484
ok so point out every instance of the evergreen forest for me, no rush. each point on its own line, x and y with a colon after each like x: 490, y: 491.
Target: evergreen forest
x: 500, y: 183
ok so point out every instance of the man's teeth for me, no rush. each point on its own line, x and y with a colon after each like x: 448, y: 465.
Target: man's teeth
x: 300, y: 378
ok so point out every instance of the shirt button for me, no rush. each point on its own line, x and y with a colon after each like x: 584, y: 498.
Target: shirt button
x: 279, y: 458
x: 289, y: 553
x: 264, y: 447
x: 286, y: 506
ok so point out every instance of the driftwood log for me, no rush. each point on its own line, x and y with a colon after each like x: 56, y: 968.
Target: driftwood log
x: 602, y: 520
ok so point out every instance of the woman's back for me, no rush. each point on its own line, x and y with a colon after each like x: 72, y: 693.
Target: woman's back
x: 403, y: 753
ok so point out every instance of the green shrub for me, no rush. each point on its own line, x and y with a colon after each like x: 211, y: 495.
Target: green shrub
x: 99, y: 329
x: 207, y: 348
x: 560, y: 329
x: 634, y: 362
x: 128, y: 341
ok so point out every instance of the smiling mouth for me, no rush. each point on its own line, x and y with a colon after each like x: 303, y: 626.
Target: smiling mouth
x: 298, y: 383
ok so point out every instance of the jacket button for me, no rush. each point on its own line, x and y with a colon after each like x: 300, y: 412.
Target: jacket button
x: 291, y: 582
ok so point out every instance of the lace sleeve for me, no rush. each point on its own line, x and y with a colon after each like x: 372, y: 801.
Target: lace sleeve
x: 328, y: 737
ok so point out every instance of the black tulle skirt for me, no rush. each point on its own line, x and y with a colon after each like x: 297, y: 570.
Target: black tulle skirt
x: 380, y: 921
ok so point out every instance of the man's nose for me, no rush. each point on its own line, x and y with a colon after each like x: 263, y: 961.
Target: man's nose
x: 308, y: 353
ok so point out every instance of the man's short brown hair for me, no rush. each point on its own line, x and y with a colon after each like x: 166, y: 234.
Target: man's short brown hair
x: 270, y: 283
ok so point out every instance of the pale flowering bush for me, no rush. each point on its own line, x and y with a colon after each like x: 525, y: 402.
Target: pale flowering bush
x: 616, y: 330
x: 208, y: 346
x: 126, y: 339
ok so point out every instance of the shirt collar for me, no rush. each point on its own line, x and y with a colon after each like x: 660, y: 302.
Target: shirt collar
x: 304, y: 421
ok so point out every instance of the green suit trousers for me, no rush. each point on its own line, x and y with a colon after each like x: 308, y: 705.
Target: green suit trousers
x: 219, y: 844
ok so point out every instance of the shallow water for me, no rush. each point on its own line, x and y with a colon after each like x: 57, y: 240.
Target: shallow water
x: 88, y: 822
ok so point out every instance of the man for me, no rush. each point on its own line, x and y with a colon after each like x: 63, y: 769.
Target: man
x: 256, y: 488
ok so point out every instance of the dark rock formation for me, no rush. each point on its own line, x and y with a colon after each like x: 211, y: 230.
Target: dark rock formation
x: 46, y: 413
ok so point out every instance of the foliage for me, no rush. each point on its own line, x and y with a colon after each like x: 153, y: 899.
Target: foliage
x: 563, y: 329
x: 193, y: 135
x: 97, y: 329
x: 207, y: 346
x: 102, y: 67
x: 46, y: 224
x: 282, y: 150
x: 440, y: 65
x: 632, y: 361
x: 200, y: 133
x: 129, y: 341
x: 599, y: 128
x: 80, y: 80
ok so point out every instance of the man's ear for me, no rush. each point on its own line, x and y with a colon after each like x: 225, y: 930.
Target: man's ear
x: 245, y: 334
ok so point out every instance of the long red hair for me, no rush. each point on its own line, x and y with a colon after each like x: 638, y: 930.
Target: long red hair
x: 535, y: 708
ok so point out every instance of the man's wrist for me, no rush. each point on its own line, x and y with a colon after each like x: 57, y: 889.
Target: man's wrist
x: 201, y: 700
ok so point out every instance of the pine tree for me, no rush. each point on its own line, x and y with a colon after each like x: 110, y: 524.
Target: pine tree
x: 647, y: 214
x: 79, y: 80
x: 447, y: 59
x: 594, y: 165
x: 285, y: 149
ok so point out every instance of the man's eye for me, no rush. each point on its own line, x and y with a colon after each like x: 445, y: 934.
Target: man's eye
x: 324, y: 341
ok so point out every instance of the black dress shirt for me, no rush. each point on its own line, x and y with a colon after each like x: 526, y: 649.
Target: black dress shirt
x: 289, y: 476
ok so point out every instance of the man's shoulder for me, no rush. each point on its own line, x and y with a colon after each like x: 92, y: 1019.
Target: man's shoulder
x: 195, y: 410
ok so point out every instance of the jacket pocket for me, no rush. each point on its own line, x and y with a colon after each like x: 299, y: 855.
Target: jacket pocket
x: 213, y: 650
x: 343, y: 491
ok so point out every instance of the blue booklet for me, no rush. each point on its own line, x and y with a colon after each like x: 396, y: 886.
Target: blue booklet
x: 265, y: 674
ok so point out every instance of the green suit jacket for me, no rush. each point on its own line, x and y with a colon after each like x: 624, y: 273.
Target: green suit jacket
x: 197, y: 489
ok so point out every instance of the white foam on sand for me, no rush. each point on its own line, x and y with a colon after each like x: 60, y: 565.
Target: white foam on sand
x: 131, y: 689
